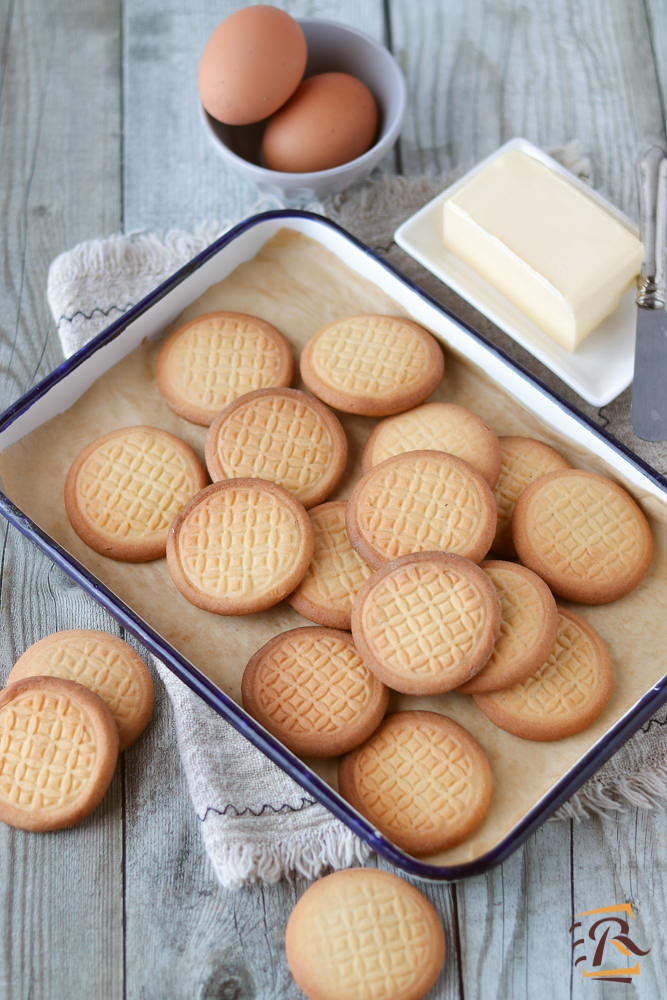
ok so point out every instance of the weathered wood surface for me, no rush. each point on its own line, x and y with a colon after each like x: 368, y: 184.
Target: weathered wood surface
x: 99, y: 132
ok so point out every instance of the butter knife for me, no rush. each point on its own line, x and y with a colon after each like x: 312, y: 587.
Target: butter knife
x: 648, y: 412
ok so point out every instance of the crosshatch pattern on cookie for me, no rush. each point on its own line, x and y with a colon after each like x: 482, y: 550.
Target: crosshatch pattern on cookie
x: 563, y: 684
x: 133, y: 484
x: 372, y: 355
x: 373, y: 937
x: 336, y: 571
x: 319, y: 684
x: 521, y: 621
x: 278, y: 438
x: 98, y: 666
x: 218, y: 359
x: 237, y: 542
x: 48, y: 750
x: 583, y: 528
x: 415, y: 778
x: 419, y: 505
x: 415, y: 431
x: 424, y: 620
x: 436, y: 427
x: 523, y: 460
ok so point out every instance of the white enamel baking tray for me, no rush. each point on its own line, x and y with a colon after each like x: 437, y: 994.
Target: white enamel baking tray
x: 602, y: 366
x: 149, y: 318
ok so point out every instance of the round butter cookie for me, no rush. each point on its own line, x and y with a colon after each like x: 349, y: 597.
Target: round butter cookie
x: 421, y: 501
x: 523, y: 460
x: 58, y: 753
x: 311, y: 689
x: 104, y: 664
x: 565, y: 695
x: 528, y: 626
x: 426, y: 623
x: 283, y: 435
x: 421, y: 779
x: 436, y: 427
x: 217, y: 357
x: 583, y: 534
x: 125, y: 488
x: 372, y: 365
x: 336, y: 572
x: 239, y: 546
x: 364, y: 934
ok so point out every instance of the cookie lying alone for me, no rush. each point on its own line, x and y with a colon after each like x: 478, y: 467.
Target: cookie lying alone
x: 436, y: 427
x: 105, y: 664
x: 565, y: 695
x: 58, y: 752
x: 336, y: 571
x: 421, y: 501
x: 364, y: 933
x: 215, y: 358
x: 239, y: 546
x: 124, y: 489
x: 284, y: 435
x: 426, y: 623
x: 421, y: 779
x: 583, y: 534
x: 311, y: 689
x: 372, y: 365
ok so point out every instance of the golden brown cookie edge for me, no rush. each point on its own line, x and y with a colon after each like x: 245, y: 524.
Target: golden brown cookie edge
x: 315, y: 744
x: 360, y: 403
x: 129, y: 732
x: 411, y: 842
x: 107, y: 731
x: 135, y: 551
x: 202, y: 415
x: 229, y: 606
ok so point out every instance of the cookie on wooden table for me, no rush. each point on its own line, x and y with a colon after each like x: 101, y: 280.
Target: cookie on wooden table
x: 215, y: 358
x: 426, y: 623
x: 335, y: 574
x: 58, y: 752
x: 101, y: 662
x: 421, y: 779
x: 284, y: 435
x: 583, y: 534
x: 239, y: 546
x: 124, y: 489
x: 364, y: 933
x: 311, y: 689
x: 524, y: 459
x: 372, y: 365
x: 421, y: 501
x: 436, y: 427
x: 565, y: 695
x: 528, y: 626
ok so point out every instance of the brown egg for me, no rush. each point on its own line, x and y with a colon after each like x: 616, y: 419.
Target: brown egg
x: 251, y: 65
x: 331, y: 119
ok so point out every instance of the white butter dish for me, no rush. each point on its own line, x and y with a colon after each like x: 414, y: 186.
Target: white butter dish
x: 602, y: 365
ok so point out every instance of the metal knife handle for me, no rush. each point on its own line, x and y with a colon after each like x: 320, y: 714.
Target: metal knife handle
x: 652, y: 179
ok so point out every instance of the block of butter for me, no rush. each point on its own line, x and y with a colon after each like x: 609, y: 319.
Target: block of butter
x: 549, y: 248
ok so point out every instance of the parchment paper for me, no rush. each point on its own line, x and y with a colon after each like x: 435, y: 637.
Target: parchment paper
x: 299, y: 286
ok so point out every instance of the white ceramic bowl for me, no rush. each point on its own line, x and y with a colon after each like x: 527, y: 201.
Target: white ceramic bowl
x: 331, y: 46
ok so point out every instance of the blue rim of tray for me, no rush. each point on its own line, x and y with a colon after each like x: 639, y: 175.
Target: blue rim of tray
x: 229, y: 709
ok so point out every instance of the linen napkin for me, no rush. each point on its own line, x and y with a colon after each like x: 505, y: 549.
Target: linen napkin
x: 256, y: 822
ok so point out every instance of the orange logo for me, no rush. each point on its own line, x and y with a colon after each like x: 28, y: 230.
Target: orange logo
x: 611, y: 931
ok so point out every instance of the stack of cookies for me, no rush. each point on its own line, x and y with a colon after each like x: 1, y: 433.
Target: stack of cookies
x: 396, y: 579
x: 73, y: 701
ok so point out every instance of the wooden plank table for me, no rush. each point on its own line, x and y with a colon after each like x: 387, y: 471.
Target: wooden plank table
x: 99, y: 132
